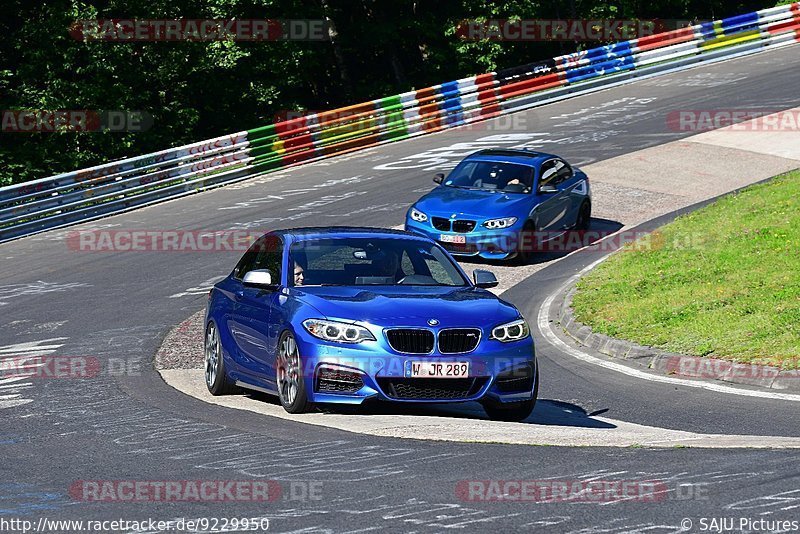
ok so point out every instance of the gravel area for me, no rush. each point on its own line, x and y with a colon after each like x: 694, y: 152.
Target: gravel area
x: 183, y: 346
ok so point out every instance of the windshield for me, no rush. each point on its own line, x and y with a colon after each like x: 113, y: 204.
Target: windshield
x: 373, y: 261
x: 491, y: 176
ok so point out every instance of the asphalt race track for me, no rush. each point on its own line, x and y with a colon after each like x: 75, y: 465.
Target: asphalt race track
x: 117, y: 307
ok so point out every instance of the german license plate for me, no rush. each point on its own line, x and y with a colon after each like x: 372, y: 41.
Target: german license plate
x: 438, y: 369
x: 459, y: 239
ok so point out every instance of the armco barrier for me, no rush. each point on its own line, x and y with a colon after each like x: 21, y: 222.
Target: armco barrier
x: 118, y: 186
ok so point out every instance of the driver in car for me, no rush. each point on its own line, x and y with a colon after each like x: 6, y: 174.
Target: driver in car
x: 298, y: 274
x: 388, y: 265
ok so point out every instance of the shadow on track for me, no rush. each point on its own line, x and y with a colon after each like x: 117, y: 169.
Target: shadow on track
x: 558, y: 248
x: 547, y: 412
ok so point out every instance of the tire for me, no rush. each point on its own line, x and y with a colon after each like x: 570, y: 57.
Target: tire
x: 216, y: 376
x: 289, y: 376
x: 513, y: 411
x: 524, y: 253
x: 584, y: 216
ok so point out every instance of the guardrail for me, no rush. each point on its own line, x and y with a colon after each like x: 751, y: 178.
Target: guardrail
x: 122, y: 185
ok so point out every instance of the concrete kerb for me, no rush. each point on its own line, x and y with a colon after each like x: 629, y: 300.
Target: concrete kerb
x: 669, y: 363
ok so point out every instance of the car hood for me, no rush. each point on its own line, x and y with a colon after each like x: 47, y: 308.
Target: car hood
x: 408, y: 305
x: 445, y: 201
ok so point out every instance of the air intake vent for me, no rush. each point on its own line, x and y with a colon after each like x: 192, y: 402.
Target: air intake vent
x: 410, y: 340
x: 458, y: 340
x: 441, y: 223
x: 463, y: 226
x: 431, y: 388
x: 338, y: 381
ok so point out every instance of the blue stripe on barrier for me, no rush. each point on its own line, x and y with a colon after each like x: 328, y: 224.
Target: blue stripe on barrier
x: 449, y: 88
x: 617, y: 64
x: 454, y: 111
x: 708, y: 31
x: 451, y: 103
x: 740, y: 23
x: 606, y: 52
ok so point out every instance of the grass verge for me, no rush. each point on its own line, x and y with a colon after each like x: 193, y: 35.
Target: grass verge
x: 723, y: 281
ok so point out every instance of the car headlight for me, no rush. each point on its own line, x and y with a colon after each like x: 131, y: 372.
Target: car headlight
x: 338, y: 332
x: 497, y: 224
x: 418, y: 215
x: 513, y: 331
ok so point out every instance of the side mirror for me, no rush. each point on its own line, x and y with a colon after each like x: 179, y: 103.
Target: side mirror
x: 261, y: 278
x: 438, y: 178
x: 484, y: 279
x: 548, y: 189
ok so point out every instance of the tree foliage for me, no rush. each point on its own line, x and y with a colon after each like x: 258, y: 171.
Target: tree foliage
x: 198, y: 90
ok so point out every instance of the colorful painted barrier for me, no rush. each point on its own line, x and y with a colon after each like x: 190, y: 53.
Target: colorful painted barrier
x: 118, y: 186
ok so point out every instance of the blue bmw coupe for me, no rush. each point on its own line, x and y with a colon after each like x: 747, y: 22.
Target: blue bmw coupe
x: 342, y: 315
x: 502, y: 203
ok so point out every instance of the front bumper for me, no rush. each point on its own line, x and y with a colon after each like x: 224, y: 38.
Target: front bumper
x: 483, y: 243
x: 350, y: 374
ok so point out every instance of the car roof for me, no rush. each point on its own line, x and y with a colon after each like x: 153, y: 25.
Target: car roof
x: 322, y: 232
x: 510, y: 155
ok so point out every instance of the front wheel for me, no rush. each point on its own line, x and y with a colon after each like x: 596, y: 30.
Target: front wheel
x: 526, y: 244
x: 513, y: 411
x: 289, y: 376
x: 584, y: 216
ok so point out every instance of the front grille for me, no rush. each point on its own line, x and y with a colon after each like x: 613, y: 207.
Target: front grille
x: 338, y: 381
x: 460, y: 248
x: 410, y: 340
x: 431, y: 388
x: 458, y: 340
x: 463, y: 226
x: 440, y: 223
x: 519, y: 379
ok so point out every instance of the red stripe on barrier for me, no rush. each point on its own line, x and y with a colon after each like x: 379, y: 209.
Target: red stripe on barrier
x: 425, y: 93
x: 784, y: 27
x: 286, y: 128
x: 297, y: 157
x: 787, y: 26
x: 661, y: 40
x: 529, y: 86
x: 301, y: 141
x: 350, y: 144
x: 484, y: 78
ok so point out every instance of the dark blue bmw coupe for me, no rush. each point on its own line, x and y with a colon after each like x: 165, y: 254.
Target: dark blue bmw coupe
x: 343, y: 315
x: 502, y: 203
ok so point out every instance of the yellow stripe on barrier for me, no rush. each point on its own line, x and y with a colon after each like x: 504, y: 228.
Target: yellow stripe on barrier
x: 730, y: 40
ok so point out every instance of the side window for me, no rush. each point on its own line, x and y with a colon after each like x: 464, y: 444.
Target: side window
x: 548, y: 173
x: 266, y: 253
x: 563, y: 171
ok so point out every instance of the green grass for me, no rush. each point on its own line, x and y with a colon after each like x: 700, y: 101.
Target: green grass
x: 723, y: 281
